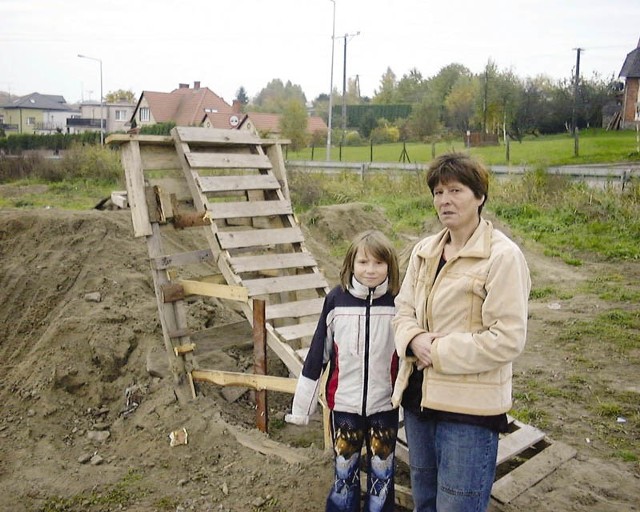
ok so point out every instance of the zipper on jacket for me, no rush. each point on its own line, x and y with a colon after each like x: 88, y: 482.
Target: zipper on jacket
x: 367, y: 328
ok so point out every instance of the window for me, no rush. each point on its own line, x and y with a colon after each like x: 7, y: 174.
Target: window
x: 144, y: 114
x: 31, y: 120
x: 121, y: 115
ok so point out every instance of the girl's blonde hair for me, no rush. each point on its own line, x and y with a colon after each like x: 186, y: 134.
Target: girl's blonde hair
x: 378, y: 246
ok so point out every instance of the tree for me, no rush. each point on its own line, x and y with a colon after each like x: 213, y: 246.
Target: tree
x: 293, y: 124
x: 275, y: 96
x: 411, y: 88
x: 387, y: 92
x: 459, y: 103
x: 241, y: 96
x: 120, y: 95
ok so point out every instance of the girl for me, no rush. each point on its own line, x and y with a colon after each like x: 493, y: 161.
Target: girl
x: 355, y: 337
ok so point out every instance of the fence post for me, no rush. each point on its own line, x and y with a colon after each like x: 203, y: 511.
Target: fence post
x: 260, y: 362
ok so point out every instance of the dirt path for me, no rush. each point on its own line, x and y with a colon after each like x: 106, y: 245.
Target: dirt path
x: 88, y: 408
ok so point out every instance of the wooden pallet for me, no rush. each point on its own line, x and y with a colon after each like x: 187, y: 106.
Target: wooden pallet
x: 525, y: 457
x: 231, y: 187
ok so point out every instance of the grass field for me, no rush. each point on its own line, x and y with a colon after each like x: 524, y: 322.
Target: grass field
x: 594, y: 146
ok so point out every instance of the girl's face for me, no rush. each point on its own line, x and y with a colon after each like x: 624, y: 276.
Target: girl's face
x: 368, y: 270
x: 456, y: 205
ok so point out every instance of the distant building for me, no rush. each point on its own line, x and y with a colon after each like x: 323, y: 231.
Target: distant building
x: 36, y: 113
x: 183, y: 106
x: 117, y: 116
x: 630, y: 72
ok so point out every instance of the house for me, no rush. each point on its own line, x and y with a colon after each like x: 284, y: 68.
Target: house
x: 630, y: 72
x: 117, y: 116
x: 184, y: 106
x: 36, y: 113
x: 200, y: 106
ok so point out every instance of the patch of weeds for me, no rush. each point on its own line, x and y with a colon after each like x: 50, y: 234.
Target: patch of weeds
x: 608, y: 409
x: 166, y: 503
x: 626, y: 455
x: 542, y: 293
x: 530, y: 416
x: 120, y: 495
x: 276, y: 424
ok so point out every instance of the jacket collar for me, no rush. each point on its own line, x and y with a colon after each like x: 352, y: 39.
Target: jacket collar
x: 478, y: 246
x: 357, y: 289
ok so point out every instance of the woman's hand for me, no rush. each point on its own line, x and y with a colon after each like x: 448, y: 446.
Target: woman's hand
x: 420, y: 345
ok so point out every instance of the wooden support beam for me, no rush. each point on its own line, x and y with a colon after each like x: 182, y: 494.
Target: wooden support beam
x: 248, y: 380
x: 260, y: 362
x: 179, y: 289
x: 184, y: 349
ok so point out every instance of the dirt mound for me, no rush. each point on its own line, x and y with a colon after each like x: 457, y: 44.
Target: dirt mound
x: 87, y: 406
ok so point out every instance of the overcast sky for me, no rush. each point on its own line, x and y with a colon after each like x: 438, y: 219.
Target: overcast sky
x: 224, y: 44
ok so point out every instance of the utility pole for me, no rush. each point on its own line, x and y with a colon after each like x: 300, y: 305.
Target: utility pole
x: 575, y: 91
x: 333, y: 40
x: 574, y: 120
x: 344, y: 83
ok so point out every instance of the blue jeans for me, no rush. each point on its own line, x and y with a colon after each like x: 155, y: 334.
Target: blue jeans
x: 378, y: 433
x: 452, y: 464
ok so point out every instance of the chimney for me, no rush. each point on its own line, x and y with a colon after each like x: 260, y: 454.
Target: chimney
x: 183, y: 86
x: 236, y: 107
x: 196, y: 85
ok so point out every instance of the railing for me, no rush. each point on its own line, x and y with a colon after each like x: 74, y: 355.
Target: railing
x: 84, y: 122
x: 591, y: 173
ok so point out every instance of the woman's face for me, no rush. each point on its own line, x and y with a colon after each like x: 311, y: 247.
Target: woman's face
x: 369, y: 270
x: 456, y: 205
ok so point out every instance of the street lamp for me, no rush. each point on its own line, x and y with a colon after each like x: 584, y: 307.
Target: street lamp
x: 333, y: 39
x: 344, y: 83
x: 101, y: 98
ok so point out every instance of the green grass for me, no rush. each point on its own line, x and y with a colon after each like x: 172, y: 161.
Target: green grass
x: 595, y: 146
x: 72, y: 194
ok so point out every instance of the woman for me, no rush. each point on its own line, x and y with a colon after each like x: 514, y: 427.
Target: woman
x: 461, y: 320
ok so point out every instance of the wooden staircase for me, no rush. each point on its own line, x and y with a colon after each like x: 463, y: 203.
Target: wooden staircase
x: 232, y: 186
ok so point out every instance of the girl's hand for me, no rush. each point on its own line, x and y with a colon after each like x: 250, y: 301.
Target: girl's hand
x: 421, y: 347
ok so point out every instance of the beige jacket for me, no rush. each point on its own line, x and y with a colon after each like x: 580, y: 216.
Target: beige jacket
x: 479, y: 301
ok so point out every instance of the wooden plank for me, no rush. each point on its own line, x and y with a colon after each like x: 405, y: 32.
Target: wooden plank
x: 240, y: 209
x: 514, y: 483
x: 297, y: 331
x: 181, y: 259
x: 237, y: 183
x: 218, y: 136
x: 267, y: 446
x: 222, y: 291
x: 134, y: 178
x: 284, y: 351
x: 272, y: 261
x: 295, y: 309
x: 227, y: 161
x: 259, y: 237
x: 119, y: 198
x: 516, y: 442
x: 284, y: 284
x: 123, y: 138
x: 250, y: 380
x: 157, y: 157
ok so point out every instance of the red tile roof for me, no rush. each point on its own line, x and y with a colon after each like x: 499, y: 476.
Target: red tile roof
x: 184, y: 106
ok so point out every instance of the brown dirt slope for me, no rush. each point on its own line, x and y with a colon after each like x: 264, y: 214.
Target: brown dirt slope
x: 87, y: 407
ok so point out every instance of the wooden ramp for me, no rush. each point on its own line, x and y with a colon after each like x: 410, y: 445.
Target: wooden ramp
x: 231, y: 187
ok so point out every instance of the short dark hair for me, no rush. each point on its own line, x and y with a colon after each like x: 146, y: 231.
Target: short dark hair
x: 460, y: 167
x: 377, y: 245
